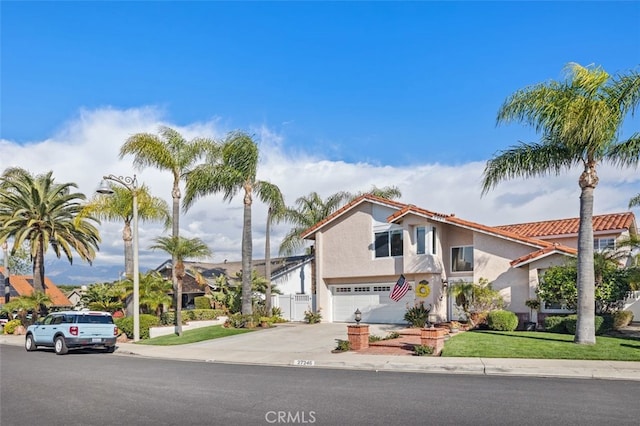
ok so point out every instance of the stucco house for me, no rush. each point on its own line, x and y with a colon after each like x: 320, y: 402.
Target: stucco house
x: 362, y: 249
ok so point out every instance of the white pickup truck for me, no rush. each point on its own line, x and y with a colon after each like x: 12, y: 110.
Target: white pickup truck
x: 72, y: 330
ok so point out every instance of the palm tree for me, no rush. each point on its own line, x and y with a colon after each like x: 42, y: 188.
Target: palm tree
x: 119, y: 206
x: 635, y: 201
x: 229, y: 169
x: 580, y: 119
x: 168, y: 151
x: 181, y: 248
x: 45, y: 214
x: 154, y: 289
x: 275, y: 214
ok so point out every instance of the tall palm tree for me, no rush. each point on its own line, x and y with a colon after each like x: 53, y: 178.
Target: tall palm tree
x: 230, y: 169
x: 168, y: 151
x: 580, y: 120
x: 275, y: 214
x: 181, y: 248
x: 635, y: 201
x: 119, y: 206
x: 43, y: 213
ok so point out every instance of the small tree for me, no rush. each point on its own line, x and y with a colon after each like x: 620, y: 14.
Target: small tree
x: 476, y: 300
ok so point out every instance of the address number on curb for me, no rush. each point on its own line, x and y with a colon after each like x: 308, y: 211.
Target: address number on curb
x: 304, y: 362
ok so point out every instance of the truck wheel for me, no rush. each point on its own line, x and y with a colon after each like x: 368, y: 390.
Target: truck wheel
x: 60, y: 346
x: 30, y: 344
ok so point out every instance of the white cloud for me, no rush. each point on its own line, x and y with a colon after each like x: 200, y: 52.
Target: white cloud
x: 87, y: 147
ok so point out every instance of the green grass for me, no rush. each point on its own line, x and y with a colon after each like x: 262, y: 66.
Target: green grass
x: 193, y: 336
x: 535, y: 344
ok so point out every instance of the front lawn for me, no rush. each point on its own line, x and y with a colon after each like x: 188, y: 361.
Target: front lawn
x: 536, y: 344
x: 196, y: 335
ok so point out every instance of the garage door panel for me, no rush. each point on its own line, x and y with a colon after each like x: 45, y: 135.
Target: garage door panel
x: 376, y: 306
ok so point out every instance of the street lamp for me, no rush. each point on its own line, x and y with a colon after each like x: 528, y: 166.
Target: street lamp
x: 131, y: 183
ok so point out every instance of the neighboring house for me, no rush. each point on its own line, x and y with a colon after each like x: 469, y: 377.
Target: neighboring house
x: 364, y: 247
x: 22, y: 285
x: 75, y: 296
x: 291, y: 275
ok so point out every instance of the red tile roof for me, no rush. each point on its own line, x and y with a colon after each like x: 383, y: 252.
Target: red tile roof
x: 527, y: 233
x: 452, y: 219
x: 604, y: 222
x: 22, y: 285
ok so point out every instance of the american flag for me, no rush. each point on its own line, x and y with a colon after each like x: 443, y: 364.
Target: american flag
x: 400, y: 289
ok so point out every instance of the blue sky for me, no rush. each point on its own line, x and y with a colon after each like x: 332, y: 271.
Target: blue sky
x: 339, y: 96
x: 352, y: 81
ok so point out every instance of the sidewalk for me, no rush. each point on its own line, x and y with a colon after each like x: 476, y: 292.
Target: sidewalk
x: 309, y: 346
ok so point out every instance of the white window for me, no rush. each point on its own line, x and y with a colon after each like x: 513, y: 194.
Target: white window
x: 462, y: 259
x: 601, y: 244
x: 388, y: 243
x: 425, y: 240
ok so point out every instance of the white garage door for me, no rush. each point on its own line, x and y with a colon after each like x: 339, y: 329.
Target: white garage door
x: 372, y: 300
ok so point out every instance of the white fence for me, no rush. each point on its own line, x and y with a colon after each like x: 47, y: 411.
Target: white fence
x: 633, y: 304
x: 293, y: 306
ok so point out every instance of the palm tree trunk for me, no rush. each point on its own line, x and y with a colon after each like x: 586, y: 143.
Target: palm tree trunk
x: 585, y: 326
x: 177, y: 286
x: 247, y: 248
x: 267, y: 264
x: 38, y: 267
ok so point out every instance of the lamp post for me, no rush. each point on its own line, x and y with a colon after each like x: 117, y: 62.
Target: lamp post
x: 131, y: 183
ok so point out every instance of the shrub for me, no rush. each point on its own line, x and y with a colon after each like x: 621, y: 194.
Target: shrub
x: 555, y: 324
x: 392, y: 335
x: 601, y: 325
x: 622, y: 319
x: 418, y: 315
x: 276, y: 312
x: 374, y: 338
x: 312, y: 317
x: 169, y: 318
x: 422, y: 350
x: 342, y: 345
x: 11, y: 326
x: 502, y: 320
x: 146, y: 321
x: 202, y: 302
x: 240, y: 321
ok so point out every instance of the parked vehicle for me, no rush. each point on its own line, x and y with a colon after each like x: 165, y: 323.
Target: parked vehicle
x: 5, y: 317
x: 73, y: 330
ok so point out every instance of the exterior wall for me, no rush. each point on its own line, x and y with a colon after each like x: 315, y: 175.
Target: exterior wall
x: 296, y: 281
x: 348, y: 249
x: 492, y: 257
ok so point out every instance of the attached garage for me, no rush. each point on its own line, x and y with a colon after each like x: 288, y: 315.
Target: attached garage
x: 372, y: 300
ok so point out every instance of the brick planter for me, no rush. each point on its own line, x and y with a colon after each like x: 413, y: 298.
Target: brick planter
x: 433, y: 337
x: 358, y: 336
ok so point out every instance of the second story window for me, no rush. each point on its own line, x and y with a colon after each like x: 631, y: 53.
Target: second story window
x: 462, y: 259
x: 600, y: 244
x: 425, y: 240
x: 388, y: 243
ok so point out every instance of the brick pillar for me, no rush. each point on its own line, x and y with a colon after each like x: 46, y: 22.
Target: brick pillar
x: 433, y: 337
x: 358, y: 336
